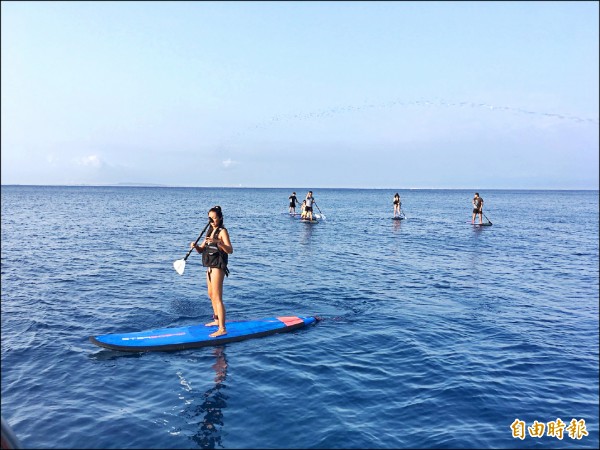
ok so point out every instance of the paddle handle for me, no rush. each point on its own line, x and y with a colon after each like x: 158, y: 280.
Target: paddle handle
x: 195, y: 243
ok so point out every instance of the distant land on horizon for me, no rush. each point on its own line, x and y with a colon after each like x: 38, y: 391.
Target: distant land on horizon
x: 124, y: 184
x: 133, y: 184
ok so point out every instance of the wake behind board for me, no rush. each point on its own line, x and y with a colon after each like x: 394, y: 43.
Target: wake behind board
x: 169, y: 339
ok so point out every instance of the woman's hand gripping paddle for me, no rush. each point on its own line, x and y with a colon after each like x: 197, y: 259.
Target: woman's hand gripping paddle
x: 179, y: 265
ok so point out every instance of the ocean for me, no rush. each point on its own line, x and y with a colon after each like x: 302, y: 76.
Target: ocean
x: 433, y: 333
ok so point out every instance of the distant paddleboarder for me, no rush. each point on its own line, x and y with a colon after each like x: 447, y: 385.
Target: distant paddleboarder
x: 477, y: 208
x: 308, y: 207
x: 397, y: 205
x: 293, y: 200
x: 303, y: 210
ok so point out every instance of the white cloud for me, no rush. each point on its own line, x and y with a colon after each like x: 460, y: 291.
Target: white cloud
x: 91, y: 161
x: 228, y: 162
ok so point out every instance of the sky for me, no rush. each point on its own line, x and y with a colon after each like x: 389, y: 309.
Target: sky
x: 387, y: 95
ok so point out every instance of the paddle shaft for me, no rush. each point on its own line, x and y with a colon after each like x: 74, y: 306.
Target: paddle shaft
x: 195, y: 243
x: 486, y: 217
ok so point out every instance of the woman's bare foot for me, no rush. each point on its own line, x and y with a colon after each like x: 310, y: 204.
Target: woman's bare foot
x: 214, y: 323
x: 219, y: 332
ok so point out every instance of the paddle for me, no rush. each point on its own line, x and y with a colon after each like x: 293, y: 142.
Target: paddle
x: 322, y: 215
x: 487, y: 218
x: 179, y: 265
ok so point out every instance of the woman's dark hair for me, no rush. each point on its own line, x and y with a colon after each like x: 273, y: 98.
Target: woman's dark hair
x: 218, y: 212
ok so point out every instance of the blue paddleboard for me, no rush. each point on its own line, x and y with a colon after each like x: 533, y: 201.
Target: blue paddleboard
x: 167, y: 339
x: 488, y: 224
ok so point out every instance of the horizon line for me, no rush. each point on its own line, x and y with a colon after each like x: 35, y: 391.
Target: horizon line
x: 156, y: 185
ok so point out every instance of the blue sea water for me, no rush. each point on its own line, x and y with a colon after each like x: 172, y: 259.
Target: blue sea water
x: 434, y: 333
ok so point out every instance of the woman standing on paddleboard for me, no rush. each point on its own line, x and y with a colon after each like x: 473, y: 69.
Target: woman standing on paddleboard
x: 397, y: 204
x: 215, y: 251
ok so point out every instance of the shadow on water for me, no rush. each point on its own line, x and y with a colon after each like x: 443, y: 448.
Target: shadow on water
x: 306, y: 233
x: 397, y: 225
x: 210, y: 411
x: 207, y: 416
x: 107, y: 355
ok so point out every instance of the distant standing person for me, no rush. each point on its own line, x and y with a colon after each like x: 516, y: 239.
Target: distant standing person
x: 308, y: 207
x: 397, y: 205
x: 477, y: 208
x: 215, y: 250
x: 293, y: 199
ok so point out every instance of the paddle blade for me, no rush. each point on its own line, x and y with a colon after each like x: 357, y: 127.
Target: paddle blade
x: 179, y: 266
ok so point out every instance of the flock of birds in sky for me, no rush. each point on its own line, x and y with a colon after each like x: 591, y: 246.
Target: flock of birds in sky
x: 326, y: 113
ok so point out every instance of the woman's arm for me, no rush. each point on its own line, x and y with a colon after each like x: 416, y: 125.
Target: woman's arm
x: 223, y: 242
x: 199, y: 248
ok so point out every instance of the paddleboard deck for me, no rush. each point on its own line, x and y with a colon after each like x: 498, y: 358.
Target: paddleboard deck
x: 309, y: 221
x: 398, y: 218
x: 488, y: 224
x: 170, y: 339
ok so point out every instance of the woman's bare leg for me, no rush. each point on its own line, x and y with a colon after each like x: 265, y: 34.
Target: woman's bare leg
x: 217, y: 277
x: 210, y: 290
